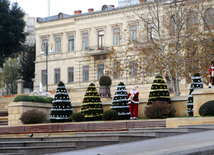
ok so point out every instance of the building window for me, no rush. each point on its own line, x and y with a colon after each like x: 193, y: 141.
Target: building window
x: 209, y: 19
x: 71, y: 74
x: 192, y: 21
x: 150, y: 32
x: 57, y: 76
x: 44, y: 45
x: 58, y: 44
x: 100, y: 40
x: 44, y: 77
x: 116, y: 36
x: 85, y: 73
x: 133, y: 36
x: 116, y: 70
x: 100, y: 70
x: 133, y: 69
x: 71, y: 43
x: 85, y: 41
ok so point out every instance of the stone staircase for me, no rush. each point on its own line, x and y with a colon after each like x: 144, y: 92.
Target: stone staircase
x: 68, y: 141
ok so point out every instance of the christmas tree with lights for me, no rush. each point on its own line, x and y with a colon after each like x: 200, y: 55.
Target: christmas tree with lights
x: 61, y: 110
x: 92, y: 107
x: 196, y: 84
x: 159, y: 91
x: 120, y: 102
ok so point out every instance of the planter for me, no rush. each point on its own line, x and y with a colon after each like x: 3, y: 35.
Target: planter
x: 105, y: 91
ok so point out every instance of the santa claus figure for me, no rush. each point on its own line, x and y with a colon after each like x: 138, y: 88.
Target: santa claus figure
x: 211, y: 72
x: 133, y: 103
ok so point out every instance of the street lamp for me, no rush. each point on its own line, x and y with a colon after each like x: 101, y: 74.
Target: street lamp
x: 45, y: 51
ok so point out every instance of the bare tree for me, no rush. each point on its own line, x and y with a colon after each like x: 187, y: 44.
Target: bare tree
x: 174, y: 38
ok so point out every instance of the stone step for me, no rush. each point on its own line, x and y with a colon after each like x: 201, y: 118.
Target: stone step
x: 64, y: 143
x: 36, y: 150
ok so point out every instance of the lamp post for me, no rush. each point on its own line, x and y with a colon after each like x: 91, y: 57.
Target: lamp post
x: 45, y: 51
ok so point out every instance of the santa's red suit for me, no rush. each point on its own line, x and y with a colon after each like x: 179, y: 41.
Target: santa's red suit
x: 133, y: 97
x: 211, y: 73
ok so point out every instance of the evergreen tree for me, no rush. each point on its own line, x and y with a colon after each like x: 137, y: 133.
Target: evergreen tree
x: 159, y: 91
x: 92, y: 107
x: 196, y: 84
x: 27, y: 65
x: 12, y: 24
x: 120, y: 102
x: 61, y: 110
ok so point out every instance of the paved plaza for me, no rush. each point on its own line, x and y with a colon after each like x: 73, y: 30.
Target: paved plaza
x: 191, y: 144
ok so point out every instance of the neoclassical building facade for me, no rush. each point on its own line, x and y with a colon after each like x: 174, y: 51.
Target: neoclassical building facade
x: 74, y: 48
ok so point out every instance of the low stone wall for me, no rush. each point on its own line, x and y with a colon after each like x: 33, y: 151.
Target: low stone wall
x: 16, y: 109
x: 175, y: 122
x: 200, y: 96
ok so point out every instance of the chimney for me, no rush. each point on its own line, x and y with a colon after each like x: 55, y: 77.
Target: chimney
x: 112, y: 6
x: 77, y: 12
x: 90, y: 10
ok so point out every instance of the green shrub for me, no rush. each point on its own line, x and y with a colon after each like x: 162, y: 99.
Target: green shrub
x: 207, y: 109
x: 32, y: 117
x: 22, y: 98
x: 48, y: 99
x: 105, y: 81
x: 110, y: 115
x: 159, y: 109
x: 38, y: 99
x: 78, y: 117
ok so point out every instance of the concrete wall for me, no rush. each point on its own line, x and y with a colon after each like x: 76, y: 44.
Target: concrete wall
x: 16, y: 109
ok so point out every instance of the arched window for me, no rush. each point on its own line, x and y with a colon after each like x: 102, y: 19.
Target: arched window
x: 209, y: 19
x: 192, y: 21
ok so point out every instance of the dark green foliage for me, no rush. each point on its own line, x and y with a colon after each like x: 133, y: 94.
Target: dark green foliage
x: 159, y: 91
x: 110, y: 115
x: 27, y: 65
x: 22, y: 98
x: 207, y: 109
x: 12, y: 36
x: 48, y: 99
x: 105, y: 81
x: 61, y: 110
x: 196, y: 84
x: 92, y: 107
x: 159, y: 109
x: 39, y: 99
x: 32, y: 117
x: 120, y: 102
x: 78, y: 117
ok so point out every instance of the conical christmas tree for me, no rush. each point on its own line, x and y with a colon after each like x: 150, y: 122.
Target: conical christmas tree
x: 120, y: 102
x: 196, y: 84
x: 92, y: 107
x: 159, y: 91
x: 61, y: 110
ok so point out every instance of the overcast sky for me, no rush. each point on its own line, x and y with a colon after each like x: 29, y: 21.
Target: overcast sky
x: 39, y: 8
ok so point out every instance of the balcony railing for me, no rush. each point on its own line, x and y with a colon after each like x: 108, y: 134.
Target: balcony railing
x: 95, y: 50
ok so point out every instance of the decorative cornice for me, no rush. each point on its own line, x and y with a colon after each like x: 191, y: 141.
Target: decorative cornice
x: 54, y: 26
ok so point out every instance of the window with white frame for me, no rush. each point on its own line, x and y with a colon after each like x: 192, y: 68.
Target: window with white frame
x: 44, y: 77
x: 71, y: 43
x: 116, y: 34
x: 85, y: 41
x: 57, y: 76
x: 133, y: 35
x: 100, y: 70
x: 101, y: 40
x: 70, y: 74
x: 44, y: 45
x: 58, y: 44
x: 85, y: 73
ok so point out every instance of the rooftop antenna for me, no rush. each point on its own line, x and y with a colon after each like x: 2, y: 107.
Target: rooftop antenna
x: 48, y: 8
